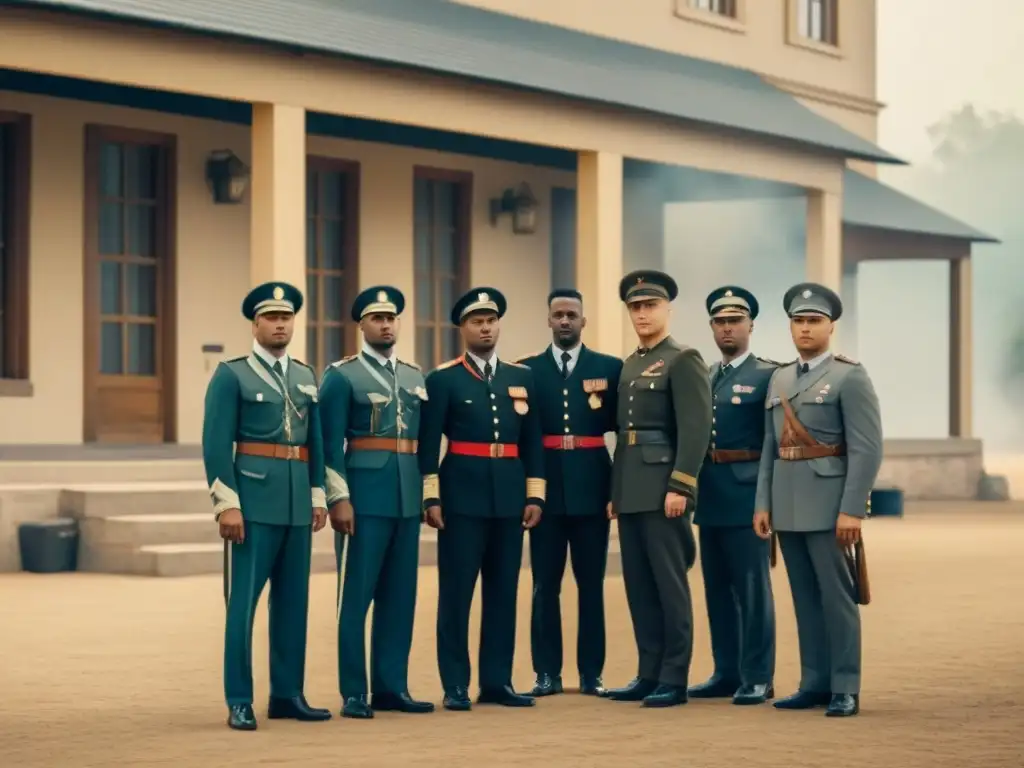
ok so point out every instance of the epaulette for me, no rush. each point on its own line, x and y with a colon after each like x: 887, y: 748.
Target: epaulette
x: 847, y: 360
x: 238, y: 359
x: 791, y: 362
x: 303, y: 364
x: 449, y: 364
x: 516, y: 363
x: 768, y: 360
x: 410, y: 365
x: 344, y: 360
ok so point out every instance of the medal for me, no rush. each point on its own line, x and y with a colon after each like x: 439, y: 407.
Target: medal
x: 736, y: 400
x: 521, y: 406
x: 594, y: 401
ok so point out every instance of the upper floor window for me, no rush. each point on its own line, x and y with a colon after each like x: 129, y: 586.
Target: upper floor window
x: 818, y: 20
x: 15, y: 136
x: 721, y: 7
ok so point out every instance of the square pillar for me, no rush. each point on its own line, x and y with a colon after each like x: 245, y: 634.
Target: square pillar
x: 824, y: 255
x: 961, y: 359
x: 599, y: 265
x: 278, y: 203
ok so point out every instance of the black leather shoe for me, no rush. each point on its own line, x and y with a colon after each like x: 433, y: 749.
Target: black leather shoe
x: 843, y: 705
x: 758, y: 693
x: 592, y: 686
x: 804, y: 700
x: 400, y: 702
x: 505, y: 696
x: 715, y: 688
x: 356, y: 708
x: 241, y: 717
x: 637, y: 690
x: 457, y: 700
x: 666, y: 696
x: 547, y: 685
x: 296, y: 708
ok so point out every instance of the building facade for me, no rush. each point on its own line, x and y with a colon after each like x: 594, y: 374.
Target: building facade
x: 157, y: 159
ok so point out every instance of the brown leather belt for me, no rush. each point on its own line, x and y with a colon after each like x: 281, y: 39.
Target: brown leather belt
x: 804, y: 452
x: 273, y: 451
x: 390, y: 444
x: 723, y: 456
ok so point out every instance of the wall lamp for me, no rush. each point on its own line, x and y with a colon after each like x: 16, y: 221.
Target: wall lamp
x: 522, y: 204
x: 226, y: 176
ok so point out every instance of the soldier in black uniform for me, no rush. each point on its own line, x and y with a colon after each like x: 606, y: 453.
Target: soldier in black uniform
x: 576, y: 392
x: 733, y: 558
x: 488, y: 489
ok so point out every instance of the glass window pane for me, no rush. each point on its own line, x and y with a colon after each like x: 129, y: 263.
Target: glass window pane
x: 333, y: 256
x: 334, y: 343
x: 424, y: 299
x: 140, y: 285
x: 311, y: 192
x: 334, y: 298
x: 311, y: 243
x: 111, y: 348
x: 446, y: 250
x: 334, y: 194
x: 451, y: 343
x: 445, y: 198
x: 142, y: 349
x: 141, y: 226
x: 421, y: 226
x: 448, y: 288
x: 110, y: 288
x: 425, y: 348
x: 311, y: 356
x: 312, y: 303
x: 141, y: 171
x: 111, y: 229
x: 110, y: 170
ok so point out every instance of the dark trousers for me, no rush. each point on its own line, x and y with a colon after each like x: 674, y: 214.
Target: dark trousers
x: 381, y: 567
x: 491, y: 547
x: 741, y: 608
x: 280, y: 553
x: 827, y: 614
x: 586, y: 538
x: 657, y: 553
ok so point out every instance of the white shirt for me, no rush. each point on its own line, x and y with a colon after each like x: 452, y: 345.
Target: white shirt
x: 574, y: 356
x: 269, y: 359
x: 816, y: 361
x: 734, y: 364
x: 480, y: 362
x: 371, y: 352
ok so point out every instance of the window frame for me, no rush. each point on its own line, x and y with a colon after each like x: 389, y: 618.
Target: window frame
x: 350, y: 169
x: 463, y: 256
x: 735, y: 22
x: 831, y: 45
x: 17, y: 197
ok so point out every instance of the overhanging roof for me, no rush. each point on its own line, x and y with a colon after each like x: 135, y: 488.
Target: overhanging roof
x: 870, y: 203
x: 454, y: 39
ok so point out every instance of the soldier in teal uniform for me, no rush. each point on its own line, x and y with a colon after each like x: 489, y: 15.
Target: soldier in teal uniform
x: 264, y: 459
x: 374, y: 488
x: 821, y: 455
x: 488, y: 489
x: 734, y: 560
x: 576, y: 396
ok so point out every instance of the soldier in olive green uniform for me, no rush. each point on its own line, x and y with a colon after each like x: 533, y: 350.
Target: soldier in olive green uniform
x: 263, y: 454
x: 664, y: 423
x: 576, y: 390
x: 821, y: 455
x: 489, y: 487
x: 372, y: 400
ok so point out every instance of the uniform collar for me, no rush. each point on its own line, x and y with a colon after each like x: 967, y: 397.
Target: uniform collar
x: 481, y: 362
x: 738, y: 361
x: 377, y: 357
x: 574, y: 354
x: 268, y: 358
x: 815, y: 362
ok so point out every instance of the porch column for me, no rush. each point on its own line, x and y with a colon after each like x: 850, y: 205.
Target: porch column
x: 278, y: 207
x: 824, y: 257
x: 599, y: 247
x: 961, y: 359
x: 850, y: 309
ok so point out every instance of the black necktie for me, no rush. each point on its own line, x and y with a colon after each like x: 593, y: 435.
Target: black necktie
x: 566, y: 357
x: 390, y: 368
x: 488, y: 370
x: 278, y: 368
x: 804, y: 368
x: 722, y: 371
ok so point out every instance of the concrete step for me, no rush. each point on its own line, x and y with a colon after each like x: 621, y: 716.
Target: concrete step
x: 145, y: 498
x: 150, y: 529
x: 64, y: 473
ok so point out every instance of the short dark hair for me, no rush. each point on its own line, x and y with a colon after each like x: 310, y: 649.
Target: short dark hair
x: 565, y: 293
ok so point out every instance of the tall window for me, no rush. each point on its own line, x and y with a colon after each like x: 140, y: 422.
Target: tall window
x: 332, y: 259
x: 818, y: 20
x: 15, y: 135
x: 442, y: 202
x: 721, y: 7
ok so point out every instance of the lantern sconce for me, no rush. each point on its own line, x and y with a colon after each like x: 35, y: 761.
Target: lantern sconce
x: 522, y: 204
x: 226, y: 176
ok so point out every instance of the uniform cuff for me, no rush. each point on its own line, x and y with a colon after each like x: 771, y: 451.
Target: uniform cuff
x: 680, y: 482
x: 319, y: 498
x: 431, y: 488
x: 536, y: 488
x: 224, y: 498
x: 337, y: 486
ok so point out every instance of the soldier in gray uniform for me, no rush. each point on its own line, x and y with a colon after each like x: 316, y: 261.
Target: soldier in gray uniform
x: 822, y: 452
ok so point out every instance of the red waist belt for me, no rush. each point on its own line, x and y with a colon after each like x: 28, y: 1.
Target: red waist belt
x: 572, y: 442
x: 484, y: 450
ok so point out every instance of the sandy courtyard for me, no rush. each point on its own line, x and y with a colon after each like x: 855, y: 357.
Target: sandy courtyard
x: 105, y: 671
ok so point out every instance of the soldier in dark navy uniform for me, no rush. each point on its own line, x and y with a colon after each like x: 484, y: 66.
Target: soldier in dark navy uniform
x: 489, y: 488
x: 576, y: 396
x: 733, y: 558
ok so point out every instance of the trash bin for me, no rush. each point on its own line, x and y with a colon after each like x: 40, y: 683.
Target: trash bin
x: 886, y: 502
x: 49, y: 546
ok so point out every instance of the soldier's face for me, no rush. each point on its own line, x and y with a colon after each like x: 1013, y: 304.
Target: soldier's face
x: 649, y: 317
x: 566, y: 321
x: 273, y: 330
x: 480, y: 331
x: 811, y: 333
x: 732, y: 333
x: 380, y: 329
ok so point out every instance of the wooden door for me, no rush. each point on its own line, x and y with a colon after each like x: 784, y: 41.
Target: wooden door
x: 129, y: 300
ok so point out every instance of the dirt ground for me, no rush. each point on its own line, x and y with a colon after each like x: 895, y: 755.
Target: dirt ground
x: 112, y: 671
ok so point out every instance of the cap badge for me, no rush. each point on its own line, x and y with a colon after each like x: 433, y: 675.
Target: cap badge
x: 382, y: 296
x: 278, y: 293
x: 806, y: 294
x: 728, y: 293
x: 483, y: 297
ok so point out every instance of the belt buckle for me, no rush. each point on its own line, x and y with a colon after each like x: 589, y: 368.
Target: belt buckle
x: 568, y: 442
x: 292, y: 452
x: 631, y: 437
x: 497, y: 450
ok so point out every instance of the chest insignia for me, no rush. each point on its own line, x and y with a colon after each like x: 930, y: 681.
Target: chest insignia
x: 595, y: 385
x: 259, y: 397
x: 742, y: 389
x: 420, y: 392
x: 736, y: 400
x: 518, y: 395
x: 652, y: 370
x: 308, y: 389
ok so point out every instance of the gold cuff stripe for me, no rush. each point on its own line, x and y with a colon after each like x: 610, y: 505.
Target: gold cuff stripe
x: 319, y: 498
x: 431, y: 487
x: 337, y: 486
x: 224, y: 498
x: 536, y: 488
x: 685, y: 479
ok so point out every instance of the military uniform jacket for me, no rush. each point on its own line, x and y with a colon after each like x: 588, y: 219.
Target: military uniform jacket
x: 583, y: 405
x: 837, y: 404
x: 360, y: 398
x: 727, y: 490
x: 665, y: 402
x: 247, y: 402
x: 464, y: 407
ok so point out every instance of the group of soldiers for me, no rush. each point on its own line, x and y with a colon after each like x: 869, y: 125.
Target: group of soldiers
x: 784, y: 453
